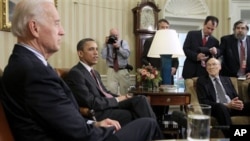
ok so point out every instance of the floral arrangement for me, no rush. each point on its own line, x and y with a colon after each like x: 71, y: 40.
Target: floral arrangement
x: 149, y: 75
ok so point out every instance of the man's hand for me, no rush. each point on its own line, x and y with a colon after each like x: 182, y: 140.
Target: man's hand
x: 106, y: 39
x: 213, y: 51
x: 124, y: 97
x: 116, y: 45
x: 248, y: 75
x: 173, y: 71
x: 108, y: 123
x: 201, y: 57
x: 236, y: 104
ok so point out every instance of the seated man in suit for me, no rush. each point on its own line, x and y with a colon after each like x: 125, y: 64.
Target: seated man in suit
x: 90, y: 92
x: 218, y: 91
x: 38, y: 104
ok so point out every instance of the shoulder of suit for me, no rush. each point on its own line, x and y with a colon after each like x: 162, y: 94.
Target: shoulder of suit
x: 228, y: 36
x: 203, y: 78
x: 194, y: 31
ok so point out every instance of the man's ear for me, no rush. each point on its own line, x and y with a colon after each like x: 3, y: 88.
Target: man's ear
x: 80, y: 53
x: 33, y: 27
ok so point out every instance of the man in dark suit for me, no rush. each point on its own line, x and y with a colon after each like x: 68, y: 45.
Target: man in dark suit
x: 156, y: 62
x: 198, y: 46
x: 91, y: 93
x: 38, y: 104
x: 230, y: 47
x: 163, y: 24
x: 218, y: 91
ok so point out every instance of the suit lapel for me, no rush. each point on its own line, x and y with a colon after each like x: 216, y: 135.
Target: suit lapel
x: 87, y: 75
x: 248, y: 51
x: 236, y: 51
x: 211, y: 88
x: 200, y: 36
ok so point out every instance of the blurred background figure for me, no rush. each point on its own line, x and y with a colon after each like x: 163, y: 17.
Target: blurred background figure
x: 116, y: 52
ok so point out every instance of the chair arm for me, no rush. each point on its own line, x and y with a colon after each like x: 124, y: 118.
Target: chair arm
x: 243, y: 89
x: 85, y: 112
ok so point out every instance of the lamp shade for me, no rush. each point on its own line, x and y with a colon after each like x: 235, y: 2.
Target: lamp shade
x: 165, y: 42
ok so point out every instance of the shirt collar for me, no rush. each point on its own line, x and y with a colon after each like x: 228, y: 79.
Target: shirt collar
x: 37, y: 54
x: 86, y: 66
x: 212, y: 78
x: 202, y: 33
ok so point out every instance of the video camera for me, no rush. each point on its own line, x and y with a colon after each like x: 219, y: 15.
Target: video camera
x: 112, y: 39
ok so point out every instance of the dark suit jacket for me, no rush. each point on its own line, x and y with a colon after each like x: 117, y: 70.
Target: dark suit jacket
x: 192, y: 47
x: 206, y: 91
x: 156, y: 62
x: 230, y: 53
x: 40, y: 105
x: 87, y: 92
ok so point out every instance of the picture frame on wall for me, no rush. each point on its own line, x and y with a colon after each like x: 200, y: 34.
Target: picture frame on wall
x: 6, y: 9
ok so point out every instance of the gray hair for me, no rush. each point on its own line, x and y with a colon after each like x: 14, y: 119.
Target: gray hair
x: 24, y: 11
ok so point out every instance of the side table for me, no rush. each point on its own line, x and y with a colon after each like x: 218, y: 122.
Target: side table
x: 161, y: 98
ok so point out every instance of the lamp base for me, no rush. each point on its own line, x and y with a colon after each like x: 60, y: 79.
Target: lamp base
x: 166, y: 65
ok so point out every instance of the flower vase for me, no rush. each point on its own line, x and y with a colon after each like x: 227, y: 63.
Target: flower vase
x: 148, y: 85
x: 155, y: 86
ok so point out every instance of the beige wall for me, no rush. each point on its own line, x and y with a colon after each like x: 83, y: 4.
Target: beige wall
x: 94, y: 18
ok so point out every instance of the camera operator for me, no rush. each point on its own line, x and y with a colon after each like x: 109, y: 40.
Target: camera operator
x: 116, y: 52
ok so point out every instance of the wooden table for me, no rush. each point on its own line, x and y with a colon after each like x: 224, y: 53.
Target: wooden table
x: 161, y: 98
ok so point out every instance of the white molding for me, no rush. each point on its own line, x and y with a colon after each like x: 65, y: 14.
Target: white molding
x: 196, y: 9
x: 184, y: 15
x: 132, y: 79
x: 235, y: 8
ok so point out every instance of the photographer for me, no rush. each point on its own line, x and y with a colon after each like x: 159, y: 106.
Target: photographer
x: 116, y: 52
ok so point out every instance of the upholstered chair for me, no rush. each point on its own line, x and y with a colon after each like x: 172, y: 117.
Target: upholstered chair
x: 237, y: 120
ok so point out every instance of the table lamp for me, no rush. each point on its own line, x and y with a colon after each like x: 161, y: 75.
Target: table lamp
x: 165, y: 45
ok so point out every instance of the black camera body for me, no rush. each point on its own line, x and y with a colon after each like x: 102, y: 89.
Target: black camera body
x: 112, y: 39
x: 129, y: 67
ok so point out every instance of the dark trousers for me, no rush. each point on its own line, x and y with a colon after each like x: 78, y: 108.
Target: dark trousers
x: 223, y: 115
x: 128, y: 110
x: 160, y: 112
x: 143, y: 129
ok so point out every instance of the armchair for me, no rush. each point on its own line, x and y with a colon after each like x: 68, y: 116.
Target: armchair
x: 5, y: 131
x: 243, y: 89
x: 237, y: 120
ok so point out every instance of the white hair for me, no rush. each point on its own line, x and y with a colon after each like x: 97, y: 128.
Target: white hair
x: 23, y: 12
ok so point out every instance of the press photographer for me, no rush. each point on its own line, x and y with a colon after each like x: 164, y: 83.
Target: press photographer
x: 116, y: 53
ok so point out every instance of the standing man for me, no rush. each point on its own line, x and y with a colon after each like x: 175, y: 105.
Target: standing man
x: 89, y: 91
x: 218, y: 91
x: 235, y: 51
x: 200, y: 45
x: 163, y: 24
x: 116, y: 53
x: 156, y: 62
x: 37, y: 102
